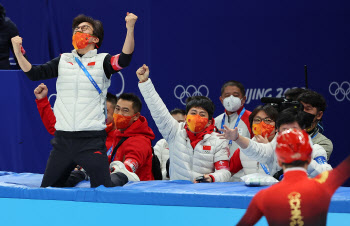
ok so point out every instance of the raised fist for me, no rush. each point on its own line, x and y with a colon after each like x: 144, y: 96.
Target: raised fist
x: 41, y: 91
x: 17, y: 44
x: 130, y: 20
x: 143, y: 73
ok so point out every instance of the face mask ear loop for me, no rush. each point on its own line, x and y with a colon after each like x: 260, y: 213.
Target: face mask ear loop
x: 95, y: 43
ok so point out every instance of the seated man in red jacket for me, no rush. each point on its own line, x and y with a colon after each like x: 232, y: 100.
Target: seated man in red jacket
x: 132, y: 154
x: 49, y: 120
x: 297, y: 199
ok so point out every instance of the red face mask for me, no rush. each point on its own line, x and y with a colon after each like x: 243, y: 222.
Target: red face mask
x: 81, y: 40
x: 196, y: 123
x: 263, y: 129
x: 121, y: 121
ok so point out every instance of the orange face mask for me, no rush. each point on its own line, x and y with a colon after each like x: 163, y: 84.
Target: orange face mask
x: 81, y: 40
x: 121, y: 121
x: 196, y: 123
x: 263, y: 129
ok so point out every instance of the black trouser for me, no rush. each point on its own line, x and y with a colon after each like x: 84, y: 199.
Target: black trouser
x: 167, y: 166
x: 85, y: 148
x: 76, y: 176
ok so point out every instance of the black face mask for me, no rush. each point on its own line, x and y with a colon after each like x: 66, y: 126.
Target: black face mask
x: 306, y: 119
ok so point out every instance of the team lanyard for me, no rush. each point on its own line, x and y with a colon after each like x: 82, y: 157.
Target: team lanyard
x: 109, y: 152
x: 92, y: 81
x: 238, y: 119
x: 88, y: 75
x: 265, y: 169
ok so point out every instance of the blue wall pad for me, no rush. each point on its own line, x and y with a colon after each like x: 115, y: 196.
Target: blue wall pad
x: 165, y: 193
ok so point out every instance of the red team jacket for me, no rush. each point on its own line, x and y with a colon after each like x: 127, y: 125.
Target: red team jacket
x: 46, y: 114
x: 297, y: 199
x: 136, y: 151
x: 110, y: 129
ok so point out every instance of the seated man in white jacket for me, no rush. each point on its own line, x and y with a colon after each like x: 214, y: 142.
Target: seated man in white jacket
x: 195, y: 149
x: 265, y: 153
x: 161, y: 149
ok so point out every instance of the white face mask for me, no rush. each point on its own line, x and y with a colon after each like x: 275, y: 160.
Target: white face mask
x: 232, y: 104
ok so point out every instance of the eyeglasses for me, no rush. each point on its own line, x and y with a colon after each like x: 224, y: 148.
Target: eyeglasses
x: 82, y: 28
x: 266, y: 120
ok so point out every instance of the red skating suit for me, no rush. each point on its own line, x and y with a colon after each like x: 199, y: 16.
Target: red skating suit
x: 297, y: 199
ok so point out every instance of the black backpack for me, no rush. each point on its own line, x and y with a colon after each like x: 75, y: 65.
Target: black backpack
x: 157, y: 172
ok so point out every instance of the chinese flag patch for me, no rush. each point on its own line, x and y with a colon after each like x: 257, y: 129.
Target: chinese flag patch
x: 91, y: 64
x: 207, y: 148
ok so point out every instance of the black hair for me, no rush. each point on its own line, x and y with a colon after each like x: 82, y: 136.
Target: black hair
x: 296, y: 163
x: 201, y: 101
x: 177, y: 111
x: 113, y: 99
x: 96, y: 25
x: 292, y: 94
x: 268, y: 109
x: 288, y: 116
x: 233, y: 83
x: 136, y: 102
x: 314, y: 99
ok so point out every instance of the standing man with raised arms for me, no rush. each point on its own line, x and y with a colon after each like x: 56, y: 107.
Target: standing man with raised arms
x: 83, y: 77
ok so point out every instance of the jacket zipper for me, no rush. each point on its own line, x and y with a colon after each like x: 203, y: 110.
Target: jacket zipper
x: 76, y: 95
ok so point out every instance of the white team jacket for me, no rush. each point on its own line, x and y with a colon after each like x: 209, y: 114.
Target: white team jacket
x: 186, y: 163
x: 265, y: 153
x: 250, y: 165
x: 161, y: 149
x: 78, y: 106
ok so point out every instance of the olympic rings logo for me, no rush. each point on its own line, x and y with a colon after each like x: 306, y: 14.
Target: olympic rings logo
x: 190, y: 91
x: 52, y: 95
x: 340, y: 92
x: 123, y: 84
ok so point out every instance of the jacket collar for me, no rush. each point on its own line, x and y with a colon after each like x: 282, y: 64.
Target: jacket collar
x: 89, y: 54
x: 236, y: 112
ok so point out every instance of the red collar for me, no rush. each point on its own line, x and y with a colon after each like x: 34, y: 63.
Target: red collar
x: 196, y: 137
x: 110, y: 127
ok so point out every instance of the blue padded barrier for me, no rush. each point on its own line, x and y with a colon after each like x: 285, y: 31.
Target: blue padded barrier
x: 164, y: 193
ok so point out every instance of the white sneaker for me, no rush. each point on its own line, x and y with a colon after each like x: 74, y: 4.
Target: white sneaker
x: 117, y: 166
